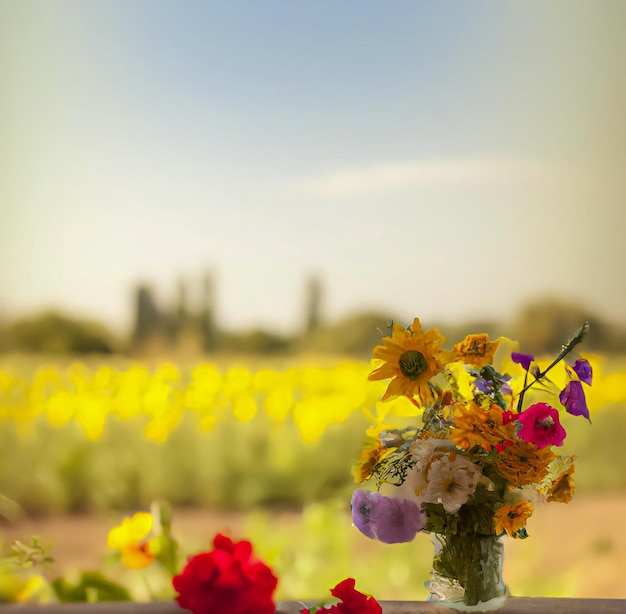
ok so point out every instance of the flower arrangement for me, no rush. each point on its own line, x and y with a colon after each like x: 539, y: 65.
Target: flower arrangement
x: 482, y: 457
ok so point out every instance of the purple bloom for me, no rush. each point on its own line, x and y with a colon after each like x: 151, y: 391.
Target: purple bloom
x: 583, y: 370
x: 483, y: 385
x: 573, y: 399
x: 389, y: 520
x: 506, y: 388
x: 522, y: 359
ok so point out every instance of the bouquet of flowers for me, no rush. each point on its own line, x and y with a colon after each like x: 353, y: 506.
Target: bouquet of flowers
x: 483, y: 455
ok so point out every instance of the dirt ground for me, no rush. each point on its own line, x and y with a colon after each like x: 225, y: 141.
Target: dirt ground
x: 576, y: 550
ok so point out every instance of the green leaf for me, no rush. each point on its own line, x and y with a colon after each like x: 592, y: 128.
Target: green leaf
x: 92, y: 586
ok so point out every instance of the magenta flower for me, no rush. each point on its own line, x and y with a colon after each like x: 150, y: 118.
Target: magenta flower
x: 583, y: 370
x: 573, y: 399
x: 388, y: 520
x: 541, y: 426
x: 522, y: 359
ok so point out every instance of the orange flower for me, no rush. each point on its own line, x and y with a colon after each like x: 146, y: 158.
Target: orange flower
x: 562, y: 489
x: 476, y: 350
x: 411, y: 358
x: 522, y: 463
x: 511, y: 518
x: 474, y: 425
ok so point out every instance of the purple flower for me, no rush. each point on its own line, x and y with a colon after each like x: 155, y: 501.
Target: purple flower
x: 583, y: 370
x: 506, y: 388
x: 522, y: 359
x: 573, y: 399
x: 483, y: 385
x: 389, y: 520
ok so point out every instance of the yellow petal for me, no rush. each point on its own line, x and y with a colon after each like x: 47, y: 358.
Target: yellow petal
x: 137, y: 557
x: 131, y: 531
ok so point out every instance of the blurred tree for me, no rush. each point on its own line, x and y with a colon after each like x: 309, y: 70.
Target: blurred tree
x: 208, y: 328
x: 51, y: 332
x: 355, y: 335
x: 542, y: 326
x: 149, y: 324
x: 181, y: 319
x: 255, y: 342
x: 313, y: 304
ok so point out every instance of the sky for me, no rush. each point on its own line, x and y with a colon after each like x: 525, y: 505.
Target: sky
x: 447, y: 160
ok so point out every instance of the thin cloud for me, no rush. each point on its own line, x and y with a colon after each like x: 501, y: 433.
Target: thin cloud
x: 429, y: 173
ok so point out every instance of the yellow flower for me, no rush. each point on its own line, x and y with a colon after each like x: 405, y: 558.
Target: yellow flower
x: 411, y: 358
x: 128, y: 539
x: 562, y: 489
x: 511, y: 518
x: 369, y: 457
x: 476, y: 350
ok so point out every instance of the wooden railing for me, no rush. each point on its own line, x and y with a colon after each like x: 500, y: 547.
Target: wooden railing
x: 514, y: 605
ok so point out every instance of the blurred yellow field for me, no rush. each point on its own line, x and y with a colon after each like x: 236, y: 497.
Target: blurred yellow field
x: 230, y: 445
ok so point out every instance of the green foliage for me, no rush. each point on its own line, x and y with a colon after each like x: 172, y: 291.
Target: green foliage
x: 544, y: 324
x: 29, y: 555
x: 90, y: 586
x: 53, y: 333
x: 236, y: 465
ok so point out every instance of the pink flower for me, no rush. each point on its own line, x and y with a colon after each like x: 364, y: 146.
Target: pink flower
x: 541, y: 426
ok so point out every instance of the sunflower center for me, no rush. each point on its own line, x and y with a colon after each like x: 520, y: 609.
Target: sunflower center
x: 412, y: 364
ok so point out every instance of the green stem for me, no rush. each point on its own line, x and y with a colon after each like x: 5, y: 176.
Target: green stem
x: 579, y: 335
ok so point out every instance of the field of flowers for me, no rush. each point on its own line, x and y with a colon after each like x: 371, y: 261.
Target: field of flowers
x: 113, y: 436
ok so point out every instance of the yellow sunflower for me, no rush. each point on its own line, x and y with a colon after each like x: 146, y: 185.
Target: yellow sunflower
x: 411, y: 358
x: 511, y: 518
x: 476, y: 350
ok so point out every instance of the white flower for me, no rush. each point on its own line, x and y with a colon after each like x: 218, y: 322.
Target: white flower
x: 451, y: 480
x: 424, y: 450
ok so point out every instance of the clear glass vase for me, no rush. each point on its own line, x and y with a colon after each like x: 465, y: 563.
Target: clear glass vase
x: 467, y: 572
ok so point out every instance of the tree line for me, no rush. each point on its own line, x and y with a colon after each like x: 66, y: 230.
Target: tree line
x: 541, y: 325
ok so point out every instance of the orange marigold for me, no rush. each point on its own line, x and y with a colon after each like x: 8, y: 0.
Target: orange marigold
x: 522, y: 463
x: 476, y: 350
x: 474, y: 425
x: 562, y: 489
x: 511, y: 518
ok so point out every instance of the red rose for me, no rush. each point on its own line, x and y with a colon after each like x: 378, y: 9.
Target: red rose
x: 352, y: 601
x: 227, y: 580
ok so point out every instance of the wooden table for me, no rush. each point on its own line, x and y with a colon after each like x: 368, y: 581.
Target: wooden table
x: 514, y: 605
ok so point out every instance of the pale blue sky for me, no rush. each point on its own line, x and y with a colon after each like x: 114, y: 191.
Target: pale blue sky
x: 439, y: 159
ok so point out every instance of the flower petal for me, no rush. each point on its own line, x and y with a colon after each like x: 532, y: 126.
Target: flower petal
x: 522, y: 359
x: 583, y: 370
x: 573, y: 399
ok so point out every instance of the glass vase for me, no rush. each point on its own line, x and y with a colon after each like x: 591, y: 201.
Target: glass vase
x: 467, y: 572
